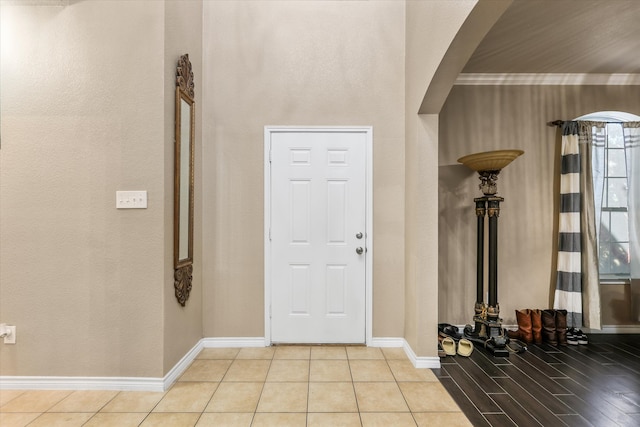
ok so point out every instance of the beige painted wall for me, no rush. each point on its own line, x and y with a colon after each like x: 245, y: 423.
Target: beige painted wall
x: 619, y: 305
x: 80, y: 122
x: 183, y: 34
x: 482, y: 118
x: 295, y: 63
x: 87, y: 109
x: 439, y: 37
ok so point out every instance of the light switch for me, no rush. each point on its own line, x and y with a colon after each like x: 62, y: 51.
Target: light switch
x: 131, y: 199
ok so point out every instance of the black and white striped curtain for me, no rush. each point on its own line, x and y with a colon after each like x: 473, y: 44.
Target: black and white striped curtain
x: 581, y: 197
x: 577, y: 282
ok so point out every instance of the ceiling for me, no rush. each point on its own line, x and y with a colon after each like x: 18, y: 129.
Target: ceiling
x: 562, y: 36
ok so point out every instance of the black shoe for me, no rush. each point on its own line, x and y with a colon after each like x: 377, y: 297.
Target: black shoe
x: 572, y: 337
x: 448, y: 330
x: 581, y: 337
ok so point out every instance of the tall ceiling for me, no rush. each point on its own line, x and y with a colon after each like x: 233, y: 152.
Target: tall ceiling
x: 562, y: 36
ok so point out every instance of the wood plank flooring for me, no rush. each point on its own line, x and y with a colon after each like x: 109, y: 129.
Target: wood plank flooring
x: 597, y: 384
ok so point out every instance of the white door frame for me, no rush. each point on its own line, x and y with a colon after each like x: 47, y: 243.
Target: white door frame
x: 368, y: 131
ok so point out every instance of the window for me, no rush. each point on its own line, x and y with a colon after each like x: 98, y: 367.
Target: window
x: 613, y: 236
x: 610, y: 176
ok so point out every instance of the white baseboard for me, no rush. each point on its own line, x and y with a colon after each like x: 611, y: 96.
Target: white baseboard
x: 615, y: 329
x: 387, y: 342
x: 418, y: 362
x: 606, y: 329
x: 421, y: 362
x: 82, y: 383
x: 163, y: 384
x: 231, y: 342
x: 102, y: 383
x: 175, y: 372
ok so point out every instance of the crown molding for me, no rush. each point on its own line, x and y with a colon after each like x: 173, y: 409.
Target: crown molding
x: 547, y: 79
x: 57, y: 3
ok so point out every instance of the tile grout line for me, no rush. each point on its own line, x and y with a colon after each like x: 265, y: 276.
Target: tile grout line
x: 264, y: 384
x: 389, y: 361
x: 469, y: 399
x: 215, y: 391
x: 536, y: 398
x: 102, y: 407
x: 353, y: 386
x: 308, y: 387
x: 400, y: 389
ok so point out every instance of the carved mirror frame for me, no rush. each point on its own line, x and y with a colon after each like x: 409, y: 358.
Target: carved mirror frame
x: 183, y: 180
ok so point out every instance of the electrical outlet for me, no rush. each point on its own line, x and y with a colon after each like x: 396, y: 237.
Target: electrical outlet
x: 131, y: 199
x: 9, y: 333
x: 11, y: 338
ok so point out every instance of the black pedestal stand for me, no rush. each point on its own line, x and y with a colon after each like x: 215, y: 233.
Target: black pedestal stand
x: 487, y: 332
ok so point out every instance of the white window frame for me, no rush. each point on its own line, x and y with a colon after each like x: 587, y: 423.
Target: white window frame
x: 611, y: 117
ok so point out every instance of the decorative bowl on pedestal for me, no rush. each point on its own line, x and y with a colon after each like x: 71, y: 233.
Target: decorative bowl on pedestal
x: 489, y: 164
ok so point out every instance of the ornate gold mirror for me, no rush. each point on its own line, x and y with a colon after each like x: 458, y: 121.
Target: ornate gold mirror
x: 183, y: 181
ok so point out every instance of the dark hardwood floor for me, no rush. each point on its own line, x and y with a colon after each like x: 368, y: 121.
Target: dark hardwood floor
x: 597, y: 384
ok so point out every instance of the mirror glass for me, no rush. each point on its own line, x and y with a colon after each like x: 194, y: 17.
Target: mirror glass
x: 183, y: 180
x: 183, y: 210
x: 185, y: 155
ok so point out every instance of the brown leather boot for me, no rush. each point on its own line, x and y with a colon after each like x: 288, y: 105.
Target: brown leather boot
x: 536, y: 325
x: 515, y: 335
x: 561, y: 326
x: 524, y: 332
x: 549, y: 327
x: 524, y: 325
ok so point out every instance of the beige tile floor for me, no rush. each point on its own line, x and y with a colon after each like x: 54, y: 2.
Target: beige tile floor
x: 274, y: 386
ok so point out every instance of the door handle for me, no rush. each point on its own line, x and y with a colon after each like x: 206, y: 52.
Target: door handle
x: 359, y: 251
x: 359, y: 236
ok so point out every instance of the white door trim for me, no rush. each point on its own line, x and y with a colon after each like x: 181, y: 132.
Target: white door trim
x: 368, y: 131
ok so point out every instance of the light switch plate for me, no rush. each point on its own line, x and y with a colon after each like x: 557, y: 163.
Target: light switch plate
x: 131, y: 199
x: 9, y: 332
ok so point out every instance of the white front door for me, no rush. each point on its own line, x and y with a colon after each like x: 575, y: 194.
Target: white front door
x: 318, y: 236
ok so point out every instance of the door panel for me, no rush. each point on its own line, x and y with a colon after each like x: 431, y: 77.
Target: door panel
x: 318, y: 207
